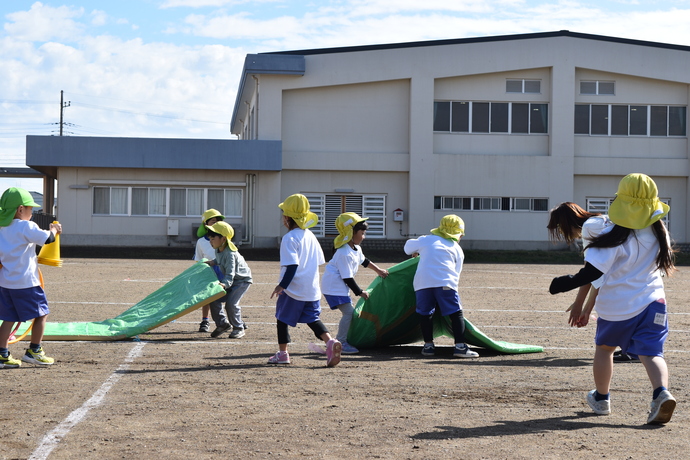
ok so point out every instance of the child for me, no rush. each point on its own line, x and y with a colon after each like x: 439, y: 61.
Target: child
x: 204, y: 250
x: 236, y: 280
x: 436, y: 282
x: 21, y: 296
x: 298, y: 293
x: 341, y: 270
x: 631, y: 303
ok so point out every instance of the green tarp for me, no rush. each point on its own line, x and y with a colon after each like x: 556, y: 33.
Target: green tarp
x: 191, y: 289
x: 388, y: 317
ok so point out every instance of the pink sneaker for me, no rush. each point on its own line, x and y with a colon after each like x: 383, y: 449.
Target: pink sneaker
x: 333, y: 350
x: 282, y: 357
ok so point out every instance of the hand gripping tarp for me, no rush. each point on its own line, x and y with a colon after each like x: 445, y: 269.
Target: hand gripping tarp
x: 388, y: 317
x: 190, y: 290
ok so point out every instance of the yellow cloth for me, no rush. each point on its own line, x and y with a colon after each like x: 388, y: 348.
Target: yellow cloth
x: 297, y: 207
x: 637, y: 204
x: 345, y: 223
x: 208, y: 214
x: 451, y: 227
x: 226, y: 230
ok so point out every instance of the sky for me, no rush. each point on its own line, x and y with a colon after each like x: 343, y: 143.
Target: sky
x: 171, y: 68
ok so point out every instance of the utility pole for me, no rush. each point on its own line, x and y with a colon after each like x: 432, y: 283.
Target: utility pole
x: 62, y: 106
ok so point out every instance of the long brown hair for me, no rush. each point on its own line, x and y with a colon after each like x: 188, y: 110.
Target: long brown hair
x: 566, y: 220
x: 665, y: 260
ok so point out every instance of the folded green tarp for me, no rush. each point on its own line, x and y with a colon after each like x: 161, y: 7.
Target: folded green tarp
x: 191, y: 289
x: 388, y: 317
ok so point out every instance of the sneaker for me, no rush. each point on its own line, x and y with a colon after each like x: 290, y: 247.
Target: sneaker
x: 281, y: 357
x: 237, y: 333
x: 316, y: 348
x: 429, y: 349
x: 661, y: 409
x: 463, y: 351
x: 37, y: 357
x: 333, y: 350
x: 621, y: 357
x: 348, y: 349
x: 9, y: 362
x: 602, y: 407
x: 220, y: 329
x: 203, y: 326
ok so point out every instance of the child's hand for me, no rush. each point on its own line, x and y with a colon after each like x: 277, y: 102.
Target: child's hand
x: 364, y: 295
x: 383, y: 273
x: 55, y: 228
x: 277, y: 291
x: 210, y: 263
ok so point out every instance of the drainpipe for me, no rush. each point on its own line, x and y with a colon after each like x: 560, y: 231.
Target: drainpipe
x: 256, y: 104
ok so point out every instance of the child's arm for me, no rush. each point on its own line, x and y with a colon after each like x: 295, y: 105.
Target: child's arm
x: 352, y: 284
x: 55, y: 228
x: 290, y: 271
x: 379, y: 271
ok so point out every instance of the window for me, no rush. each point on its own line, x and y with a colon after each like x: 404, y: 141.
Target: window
x: 630, y: 120
x: 152, y: 201
x: 601, y: 205
x: 597, y: 87
x: 329, y: 207
x: 523, y: 86
x: 490, y: 117
x: 458, y: 203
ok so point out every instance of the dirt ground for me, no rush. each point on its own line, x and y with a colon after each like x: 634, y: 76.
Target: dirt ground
x: 176, y: 393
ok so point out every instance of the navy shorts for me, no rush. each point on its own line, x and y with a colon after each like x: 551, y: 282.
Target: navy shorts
x: 645, y: 334
x: 291, y: 311
x: 446, y: 299
x: 20, y: 305
x: 334, y: 301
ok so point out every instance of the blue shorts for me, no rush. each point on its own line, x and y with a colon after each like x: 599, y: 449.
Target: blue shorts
x: 291, y: 311
x: 645, y: 334
x: 446, y: 299
x: 20, y: 305
x: 334, y: 301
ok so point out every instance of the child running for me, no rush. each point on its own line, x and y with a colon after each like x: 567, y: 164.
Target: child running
x: 339, y: 276
x: 631, y: 303
x: 21, y: 296
x: 298, y: 293
x: 236, y: 279
x: 204, y: 250
x: 436, y: 282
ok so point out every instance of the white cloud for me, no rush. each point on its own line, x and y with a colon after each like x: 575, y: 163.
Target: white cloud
x: 99, y: 18
x: 43, y: 23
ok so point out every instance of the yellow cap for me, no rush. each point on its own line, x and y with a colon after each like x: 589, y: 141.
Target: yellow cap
x: 637, y: 204
x: 345, y: 223
x: 208, y: 214
x: 226, y: 230
x: 297, y: 207
x: 451, y: 227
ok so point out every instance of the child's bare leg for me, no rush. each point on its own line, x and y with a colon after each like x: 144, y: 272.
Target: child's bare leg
x: 325, y: 337
x: 205, y: 311
x: 5, y: 331
x: 38, y: 329
x: 656, y: 370
x: 603, y: 368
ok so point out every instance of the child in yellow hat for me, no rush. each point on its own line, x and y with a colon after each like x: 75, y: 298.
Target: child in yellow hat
x: 21, y: 296
x: 236, y: 279
x: 339, y: 277
x: 298, y: 292
x: 436, y: 282
x: 204, y: 250
x: 631, y: 303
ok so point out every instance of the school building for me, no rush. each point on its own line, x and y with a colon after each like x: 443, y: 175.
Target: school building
x: 495, y: 129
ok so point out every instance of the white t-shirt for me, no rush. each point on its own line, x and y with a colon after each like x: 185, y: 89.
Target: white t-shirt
x: 593, y: 227
x: 631, y: 279
x: 204, y: 250
x: 344, y: 264
x: 440, y: 262
x: 18, y: 243
x: 300, y: 247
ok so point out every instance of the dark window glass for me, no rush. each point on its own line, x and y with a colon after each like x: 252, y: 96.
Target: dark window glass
x: 505, y: 203
x: 101, y: 200
x: 532, y: 86
x: 582, y: 119
x: 538, y: 121
x: 499, y: 117
x: 659, y: 120
x: 638, y: 120
x: 519, y: 123
x: 619, y: 120
x: 513, y: 86
x: 677, y: 121
x: 588, y: 87
x: 467, y: 203
x: 600, y: 120
x: 437, y: 202
x: 441, y: 116
x: 606, y: 87
x: 541, y: 204
x: 140, y: 201
x: 461, y: 117
x: 480, y: 117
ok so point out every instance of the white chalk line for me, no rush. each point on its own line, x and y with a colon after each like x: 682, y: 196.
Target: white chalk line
x: 53, y: 438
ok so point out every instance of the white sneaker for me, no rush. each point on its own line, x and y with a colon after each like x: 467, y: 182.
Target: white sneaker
x: 661, y: 409
x: 463, y: 351
x: 602, y: 407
